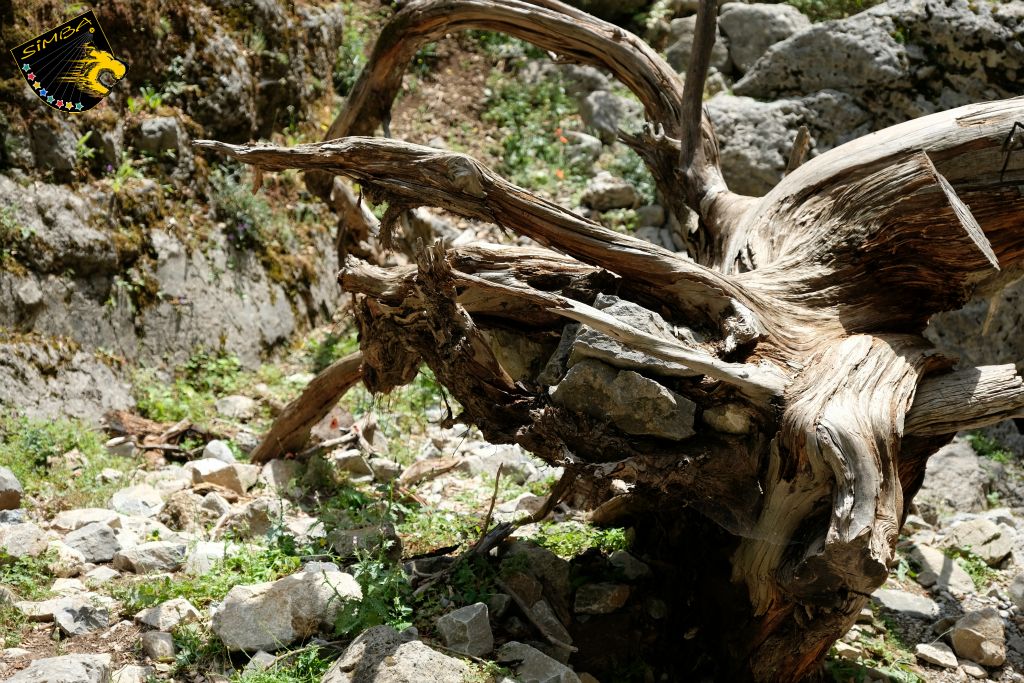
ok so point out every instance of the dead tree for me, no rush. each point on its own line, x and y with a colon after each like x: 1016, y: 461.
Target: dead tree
x: 817, y: 399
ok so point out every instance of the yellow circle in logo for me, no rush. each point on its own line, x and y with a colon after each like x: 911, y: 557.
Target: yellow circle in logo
x: 92, y: 30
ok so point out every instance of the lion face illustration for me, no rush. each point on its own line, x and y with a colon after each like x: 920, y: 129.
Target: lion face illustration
x: 95, y: 72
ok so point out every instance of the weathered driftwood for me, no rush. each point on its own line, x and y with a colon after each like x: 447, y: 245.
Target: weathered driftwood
x: 810, y: 302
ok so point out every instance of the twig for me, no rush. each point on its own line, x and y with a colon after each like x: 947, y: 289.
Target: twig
x: 799, y: 151
x: 490, y: 509
x: 696, y: 74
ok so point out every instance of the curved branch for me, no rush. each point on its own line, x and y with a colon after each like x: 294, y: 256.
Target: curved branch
x: 290, y: 430
x: 417, y: 175
x: 966, y: 399
x: 557, y: 28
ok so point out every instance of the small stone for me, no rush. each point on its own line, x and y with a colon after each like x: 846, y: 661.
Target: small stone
x: 158, y: 135
x: 652, y: 214
x: 78, y: 617
x: 372, y: 539
x: 218, y: 450
x: 97, y: 542
x: 168, y: 615
x: 215, y: 504
x: 66, y: 587
x: 66, y: 561
x: 133, y: 673
x: 973, y: 669
x: 350, y: 460
x: 906, y: 603
x: 280, y: 475
x: 984, y: 538
x: 268, y: 616
x: 533, y: 666
x: 937, y: 569
x: 152, y: 557
x: 847, y: 651
x: 632, y: 569
x: 385, y: 470
x: 213, y: 471
x: 69, y: 520
x: 468, y: 630
x: 236, y: 407
x: 22, y: 540
x: 10, y: 490
x: 101, y: 575
x: 158, y: 646
x: 261, y: 661
x: 937, y: 653
x: 979, y: 637
x: 383, y: 654
x: 121, y: 446
x: 66, y: 669
x: 142, y: 500
x: 605, y: 192
x: 204, y: 555
x: 12, y: 516
x: 600, y: 598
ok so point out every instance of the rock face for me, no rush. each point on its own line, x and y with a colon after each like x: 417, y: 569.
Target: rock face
x: 954, y: 479
x: 66, y: 669
x: 382, y: 655
x: 979, y: 637
x: 10, y: 490
x: 984, y: 538
x: 842, y: 79
x: 266, y: 616
x: 752, y: 29
x: 72, y: 272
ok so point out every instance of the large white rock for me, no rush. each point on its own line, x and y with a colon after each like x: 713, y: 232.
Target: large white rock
x: 22, y: 540
x: 752, y: 29
x: 938, y: 569
x: 468, y: 630
x: 66, y: 669
x: 97, y: 542
x: 383, y: 655
x: 69, y: 520
x: 141, y: 500
x: 979, y: 637
x: 10, y: 490
x: 271, y: 615
x: 148, y: 558
x: 167, y: 615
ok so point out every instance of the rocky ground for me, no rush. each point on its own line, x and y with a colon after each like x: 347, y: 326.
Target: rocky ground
x: 128, y: 556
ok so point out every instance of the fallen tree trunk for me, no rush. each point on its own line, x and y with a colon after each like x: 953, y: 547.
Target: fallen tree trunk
x: 769, y: 396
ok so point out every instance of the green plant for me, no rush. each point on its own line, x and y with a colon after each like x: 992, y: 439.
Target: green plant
x: 15, y: 238
x: 307, y: 665
x: 196, y: 647
x: 150, y: 99
x: 125, y: 171
x: 246, y: 215
x: 988, y: 447
x: 325, y: 350
x: 386, y: 595
x: 531, y: 120
x: 351, y: 56
x: 58, y: 462
x: 192, y: 392
x: 243, y: 565
x: 569, y: 539
x: 979, y: 571
x: 27, y: 576
x: 84, y: 151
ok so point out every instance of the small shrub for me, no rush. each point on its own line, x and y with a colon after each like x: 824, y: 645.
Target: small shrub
x: 247, y: 216
x: 988, y: 447
x: 386, y: 595
x: 569, y: 539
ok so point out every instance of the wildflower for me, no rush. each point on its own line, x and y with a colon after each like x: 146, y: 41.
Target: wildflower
x: 560, y: 174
